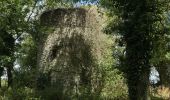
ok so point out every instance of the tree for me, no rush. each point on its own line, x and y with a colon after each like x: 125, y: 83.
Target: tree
x: 7, y: 54
x: 13, y: 25
x: 141, y: 22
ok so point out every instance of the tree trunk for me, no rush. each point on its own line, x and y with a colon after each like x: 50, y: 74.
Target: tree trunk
x: 9, y: 75
x: 143, y: 86
x: 138, y: 70
x: 1, y: 73
x: 139, y: 87
x: 162, y: 69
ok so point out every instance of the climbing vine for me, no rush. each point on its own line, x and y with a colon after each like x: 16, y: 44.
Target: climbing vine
x: 141, y: 22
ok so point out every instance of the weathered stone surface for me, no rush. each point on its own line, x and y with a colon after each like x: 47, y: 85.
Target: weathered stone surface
x: 64, y: 17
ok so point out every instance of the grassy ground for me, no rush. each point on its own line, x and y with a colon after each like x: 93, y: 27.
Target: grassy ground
x: 160, y: 93
x: 156, y: 98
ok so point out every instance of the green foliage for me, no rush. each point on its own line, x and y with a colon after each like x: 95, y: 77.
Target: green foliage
x: 27, y: 53
x: 142, y: 25
x: 23, y: 93
x: 19, y: 19
x: 114, y: 84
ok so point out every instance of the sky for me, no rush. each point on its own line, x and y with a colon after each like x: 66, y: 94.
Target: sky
x: 154, y: 75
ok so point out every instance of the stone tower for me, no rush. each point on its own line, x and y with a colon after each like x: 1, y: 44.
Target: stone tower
x: 70, y: 50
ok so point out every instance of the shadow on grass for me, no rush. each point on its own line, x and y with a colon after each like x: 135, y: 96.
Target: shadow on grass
x: 157, y: 98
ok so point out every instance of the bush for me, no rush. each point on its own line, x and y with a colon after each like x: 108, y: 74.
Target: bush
x: 18, y: 94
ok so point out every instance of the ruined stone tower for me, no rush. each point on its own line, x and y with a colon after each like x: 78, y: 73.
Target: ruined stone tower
x: 70, y: 50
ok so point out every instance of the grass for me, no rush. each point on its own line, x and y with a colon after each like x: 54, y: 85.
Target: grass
x: 161, y: 93
x: 156, y: 98
x: 158, y: 93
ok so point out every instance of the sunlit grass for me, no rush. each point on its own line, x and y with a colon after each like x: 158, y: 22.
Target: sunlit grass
x: 3, y: 83
x: 161, y: 93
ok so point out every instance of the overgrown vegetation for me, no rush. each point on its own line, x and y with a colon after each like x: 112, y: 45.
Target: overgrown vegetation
x: 111, y: 66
